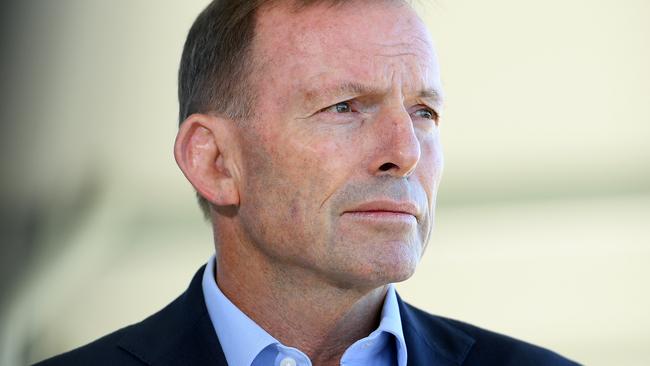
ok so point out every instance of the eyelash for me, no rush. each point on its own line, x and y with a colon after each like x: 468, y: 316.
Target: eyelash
x: 333, y: 108
x: 434, y: 115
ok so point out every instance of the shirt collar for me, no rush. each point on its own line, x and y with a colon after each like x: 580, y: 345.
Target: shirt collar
x: 391, y: 322
x: 242, y: 346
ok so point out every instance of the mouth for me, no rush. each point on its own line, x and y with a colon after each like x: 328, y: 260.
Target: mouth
x: 385, y: 210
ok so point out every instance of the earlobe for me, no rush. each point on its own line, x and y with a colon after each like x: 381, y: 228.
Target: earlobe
x: 202, y: 152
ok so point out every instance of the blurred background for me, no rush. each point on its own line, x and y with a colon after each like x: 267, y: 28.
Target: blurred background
x: 544, y: 213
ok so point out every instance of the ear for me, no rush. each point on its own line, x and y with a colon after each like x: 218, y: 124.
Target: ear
x: 203, y: 151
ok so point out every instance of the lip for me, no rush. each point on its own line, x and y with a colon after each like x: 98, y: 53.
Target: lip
x: 385, y: 209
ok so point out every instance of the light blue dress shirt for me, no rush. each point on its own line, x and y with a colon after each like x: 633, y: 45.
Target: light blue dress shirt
x: 244, y: 343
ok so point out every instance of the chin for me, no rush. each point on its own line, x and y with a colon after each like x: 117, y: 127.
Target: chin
x: 397, y: 270
x: 377, y: 269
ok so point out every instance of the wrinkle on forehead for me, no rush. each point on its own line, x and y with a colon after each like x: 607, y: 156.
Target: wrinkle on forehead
x: 282, y: 30
x: 364, y: 41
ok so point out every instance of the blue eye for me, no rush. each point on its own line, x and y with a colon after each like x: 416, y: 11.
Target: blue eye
x: 427, y: 114
x: 343, y: 107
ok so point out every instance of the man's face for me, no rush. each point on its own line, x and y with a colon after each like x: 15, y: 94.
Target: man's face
x: 341, y: 163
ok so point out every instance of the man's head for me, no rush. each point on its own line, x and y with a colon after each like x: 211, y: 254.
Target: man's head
x: 317, y: 144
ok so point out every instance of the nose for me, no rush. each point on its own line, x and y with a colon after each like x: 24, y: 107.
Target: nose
x: 398, y: 148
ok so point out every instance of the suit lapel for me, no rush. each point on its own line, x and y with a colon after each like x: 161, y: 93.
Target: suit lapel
x: 180, y: 334
x: 430, y: 340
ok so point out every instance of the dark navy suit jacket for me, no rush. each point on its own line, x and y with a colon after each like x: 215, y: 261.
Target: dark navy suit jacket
x: 182, y: 334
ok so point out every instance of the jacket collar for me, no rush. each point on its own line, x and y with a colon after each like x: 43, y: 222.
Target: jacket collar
x: 182, y: 334
x: 179, y: 334
x: 431, y: 340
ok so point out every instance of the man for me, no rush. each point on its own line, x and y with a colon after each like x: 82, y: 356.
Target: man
x: 310, y: 131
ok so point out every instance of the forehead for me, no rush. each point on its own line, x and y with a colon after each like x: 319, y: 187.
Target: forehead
x: 368, y: 41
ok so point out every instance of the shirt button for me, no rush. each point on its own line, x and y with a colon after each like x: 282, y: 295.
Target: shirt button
x: 288, y: 361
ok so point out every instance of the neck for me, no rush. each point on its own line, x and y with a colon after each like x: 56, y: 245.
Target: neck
x: 295, y: 305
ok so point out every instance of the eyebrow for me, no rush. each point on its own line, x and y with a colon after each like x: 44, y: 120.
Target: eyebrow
x: 355, y: 88
x: 345, y: 88
x: 431, y: 94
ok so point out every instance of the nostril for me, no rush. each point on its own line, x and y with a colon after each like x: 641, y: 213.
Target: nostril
x: 387, y: 166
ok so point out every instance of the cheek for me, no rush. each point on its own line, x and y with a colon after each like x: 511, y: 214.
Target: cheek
x: 432, y: 160
x: 322, y: 160
x: 430, y: 173
x: 298, y: 170
x: 293, y: 172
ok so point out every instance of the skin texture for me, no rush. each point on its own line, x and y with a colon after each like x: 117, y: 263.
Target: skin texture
x: 345, y: 116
